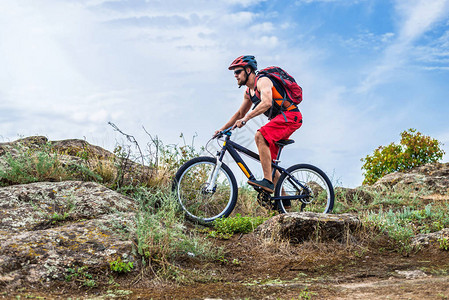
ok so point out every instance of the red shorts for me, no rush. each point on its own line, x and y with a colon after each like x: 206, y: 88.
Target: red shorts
x: 277, y: 129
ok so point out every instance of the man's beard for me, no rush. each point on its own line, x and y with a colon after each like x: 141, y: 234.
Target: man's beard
x: 241, y: 82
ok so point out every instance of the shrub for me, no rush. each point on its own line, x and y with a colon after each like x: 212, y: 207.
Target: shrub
x: 32, y: 165
x: 226, y: 227
x: 396, y: 225
x: 24, y: 164
x: 415, y: 149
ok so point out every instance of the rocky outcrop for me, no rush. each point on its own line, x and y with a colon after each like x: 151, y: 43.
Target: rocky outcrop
x: 431, y: 239
x: 429, y: 182
x: 299, y: 227
x: 74, y: 159
x: 48, y: 227
x: 431, y: 178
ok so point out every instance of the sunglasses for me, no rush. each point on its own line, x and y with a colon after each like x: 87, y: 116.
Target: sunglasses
x: 237, y: 72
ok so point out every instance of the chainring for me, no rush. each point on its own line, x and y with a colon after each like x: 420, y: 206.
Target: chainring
x: 264, y: 200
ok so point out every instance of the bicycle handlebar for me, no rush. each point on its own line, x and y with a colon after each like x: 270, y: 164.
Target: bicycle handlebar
x: 221, y: 133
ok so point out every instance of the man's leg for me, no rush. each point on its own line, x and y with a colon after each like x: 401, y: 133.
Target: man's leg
x: 265, y: 155
x: 265, y: 159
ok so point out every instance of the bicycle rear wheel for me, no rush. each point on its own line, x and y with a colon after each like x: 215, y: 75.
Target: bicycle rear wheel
x: 316, y: 189
x: 201, y: 202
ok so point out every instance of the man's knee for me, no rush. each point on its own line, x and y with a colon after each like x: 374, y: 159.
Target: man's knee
x: 260, y: 139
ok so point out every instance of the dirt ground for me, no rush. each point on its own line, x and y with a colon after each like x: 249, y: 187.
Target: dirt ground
x: 255, y: 269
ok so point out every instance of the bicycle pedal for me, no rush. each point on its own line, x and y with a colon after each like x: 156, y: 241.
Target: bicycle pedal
x: 259, y: 189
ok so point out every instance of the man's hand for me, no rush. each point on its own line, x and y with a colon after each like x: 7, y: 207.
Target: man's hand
x: 216, y: 133
x: 239, y: 123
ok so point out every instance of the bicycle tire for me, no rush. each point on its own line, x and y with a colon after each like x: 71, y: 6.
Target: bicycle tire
x: 318, y: 190
x: 199, y: 205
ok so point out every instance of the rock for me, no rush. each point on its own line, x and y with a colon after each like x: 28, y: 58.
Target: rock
x: 74, y: 147
x: 414, y: 274
x: 432, y: 178
x: 73, y: 159
x: 299, y: 227
x: 429, y: 239
x: 48, y: 227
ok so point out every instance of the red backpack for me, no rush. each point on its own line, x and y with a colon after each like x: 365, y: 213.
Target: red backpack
x: 293, y: 90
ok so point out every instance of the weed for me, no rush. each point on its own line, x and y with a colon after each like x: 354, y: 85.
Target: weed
x: 42, y: 163
x: 444, y: 243
x: 56, y: 217
x: 158, y: 163
x: 81, y: 275
x: 121, y: 266
x: 305, y: 294
x: 392, y: 223
x: 161, y: 234
x: 31, y: 165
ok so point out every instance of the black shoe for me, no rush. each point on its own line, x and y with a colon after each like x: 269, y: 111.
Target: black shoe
x: 264, y: 184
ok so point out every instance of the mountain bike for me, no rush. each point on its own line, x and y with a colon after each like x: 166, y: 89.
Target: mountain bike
x: 206, y: 188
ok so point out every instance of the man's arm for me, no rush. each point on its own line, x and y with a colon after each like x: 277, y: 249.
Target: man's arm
x: 264, y: 85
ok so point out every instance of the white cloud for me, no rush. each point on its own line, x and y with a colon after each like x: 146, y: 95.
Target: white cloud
x: 265, y: 27
x: 69, y: 67
x: 244, y: 3
x: 417, y: 17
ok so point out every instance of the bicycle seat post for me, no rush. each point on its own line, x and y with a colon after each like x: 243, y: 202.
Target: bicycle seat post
x: 278, y: 156
x: 281, y: 144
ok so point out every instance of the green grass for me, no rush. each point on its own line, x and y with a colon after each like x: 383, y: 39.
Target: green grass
x: 44, y: 163
x: 161, y: 234
x: 400, y: 213
x: 224, y: 228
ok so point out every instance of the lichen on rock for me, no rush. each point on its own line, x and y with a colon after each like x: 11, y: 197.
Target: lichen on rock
x: 48, y: 227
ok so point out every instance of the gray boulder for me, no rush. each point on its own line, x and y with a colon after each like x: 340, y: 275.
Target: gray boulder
x: 431, y: 239
x: 48, y: 227
x: 299, y: 227
x: 432, y: 178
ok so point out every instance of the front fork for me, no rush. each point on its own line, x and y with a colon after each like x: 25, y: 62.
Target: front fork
x: 210, y: 184
x: 213, y: 177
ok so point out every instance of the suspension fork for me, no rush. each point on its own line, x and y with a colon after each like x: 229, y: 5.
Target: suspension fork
x: 213, y: 177
x: 210, y: 184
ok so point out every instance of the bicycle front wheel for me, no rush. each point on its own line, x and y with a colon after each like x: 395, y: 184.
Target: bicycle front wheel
x: 309, y: 182
x: 201, y: 200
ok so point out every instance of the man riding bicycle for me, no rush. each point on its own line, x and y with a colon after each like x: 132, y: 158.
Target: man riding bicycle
x: 284, y: 116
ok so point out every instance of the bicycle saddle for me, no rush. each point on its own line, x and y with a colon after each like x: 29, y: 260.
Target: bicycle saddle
x: 283, y: 143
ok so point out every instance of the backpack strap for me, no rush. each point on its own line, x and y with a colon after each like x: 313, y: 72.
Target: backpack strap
x: 284, y: 97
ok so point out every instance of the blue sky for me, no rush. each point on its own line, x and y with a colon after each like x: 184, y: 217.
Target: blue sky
x: 369, y: 70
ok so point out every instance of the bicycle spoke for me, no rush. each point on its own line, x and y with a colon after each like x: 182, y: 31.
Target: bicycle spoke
x: 312, y: 185
x: 201, y: 200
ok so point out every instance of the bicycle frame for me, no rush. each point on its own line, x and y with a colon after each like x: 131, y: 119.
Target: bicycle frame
x: 233, y: 149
